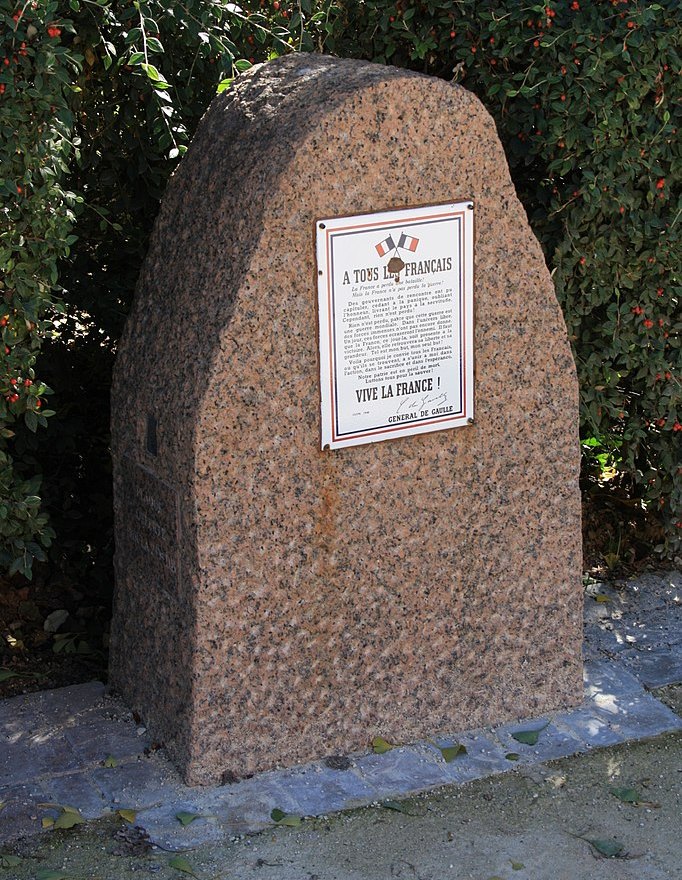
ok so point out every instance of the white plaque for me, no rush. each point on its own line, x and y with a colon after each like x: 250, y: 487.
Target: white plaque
x: 395, y: 296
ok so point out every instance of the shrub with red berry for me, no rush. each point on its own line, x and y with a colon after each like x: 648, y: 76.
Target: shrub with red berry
x: 588, y: 104
x: 101, y: 99
x: 36, y: 143
x: 98, y: 101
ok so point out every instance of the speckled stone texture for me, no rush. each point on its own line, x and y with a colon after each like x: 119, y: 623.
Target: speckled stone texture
x: 276, y: 603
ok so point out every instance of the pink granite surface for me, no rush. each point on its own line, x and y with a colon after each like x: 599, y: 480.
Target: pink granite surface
x: 276, y: 603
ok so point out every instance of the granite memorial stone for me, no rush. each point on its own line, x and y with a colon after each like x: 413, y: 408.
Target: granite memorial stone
x: 278, y: 601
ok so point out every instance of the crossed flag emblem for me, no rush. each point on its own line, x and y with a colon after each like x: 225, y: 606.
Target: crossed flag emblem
x: 395, y: 264
x: 405, y: 242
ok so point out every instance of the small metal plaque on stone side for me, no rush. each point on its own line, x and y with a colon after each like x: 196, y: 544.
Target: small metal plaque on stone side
x: 395, y: 293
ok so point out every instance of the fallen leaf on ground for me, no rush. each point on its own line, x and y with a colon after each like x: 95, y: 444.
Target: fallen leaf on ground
x: 180, y: 863
x: 128, y: 815
x: 626, y: 795
x: 517, y: 866
x: 54, y: 620
x: 449, y: 753
x: 512, y: 756
x: 602, y: 598
x: 395, y: 805
x: 529, y: 737
x: 185, y: 818
x: 69, y: 818
x: 611, y: 849
x: 380, y: 746
x: 282, y: 818
x: 9, y: 861
x: 131, y: 841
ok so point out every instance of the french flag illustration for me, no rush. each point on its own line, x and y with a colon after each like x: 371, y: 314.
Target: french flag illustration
x: 407, y: 242
x: 385, y: 246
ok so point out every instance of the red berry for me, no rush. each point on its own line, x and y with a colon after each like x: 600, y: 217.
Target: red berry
x: 453, y: 34
x: 582, y: 261
x: 563, y: 97
x: 536, y: 43
x: 275, y: 5
x: 27, y: 383
x: 660, y: 183
x: 648, y: 323
x: 12, y: 381
x: 39, y: 403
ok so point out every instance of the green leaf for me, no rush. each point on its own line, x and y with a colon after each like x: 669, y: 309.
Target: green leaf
x: 6, y: 674
x: 397, y: 806
x: 31, y: 420
x: 529, y: 737
x: 68, y: 819
x: 152, y: 72
x: 609, y: 848
x: 180, y: 863
x: 110, y: 762
x: 626, y: 795
x: 449, y: 753
x: 185, y: 818
x: 282, y: 818
x: 380, y: 746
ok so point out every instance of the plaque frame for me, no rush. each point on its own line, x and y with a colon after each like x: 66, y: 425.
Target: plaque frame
x: 423, y: 387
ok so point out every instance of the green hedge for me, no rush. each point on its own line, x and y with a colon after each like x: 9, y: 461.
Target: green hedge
x: 101, y: 99
x: 587, y: 100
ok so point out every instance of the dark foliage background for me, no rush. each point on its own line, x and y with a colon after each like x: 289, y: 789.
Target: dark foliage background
x: 98, y: 101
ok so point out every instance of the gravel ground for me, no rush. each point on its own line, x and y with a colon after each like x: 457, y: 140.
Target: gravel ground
x: 534, y: 823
